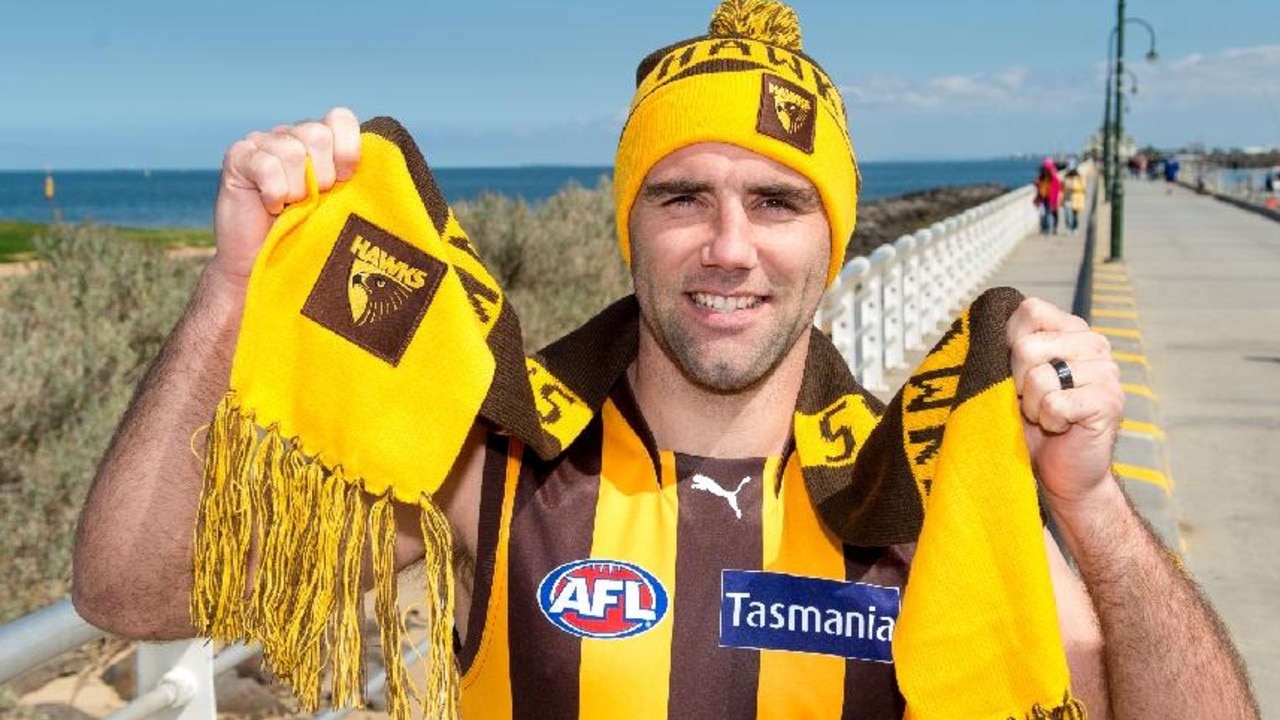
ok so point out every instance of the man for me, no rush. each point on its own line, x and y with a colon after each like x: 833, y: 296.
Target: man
x: 735, y: 188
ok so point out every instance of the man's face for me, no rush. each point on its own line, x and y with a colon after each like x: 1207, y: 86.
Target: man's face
x: 729, y: 254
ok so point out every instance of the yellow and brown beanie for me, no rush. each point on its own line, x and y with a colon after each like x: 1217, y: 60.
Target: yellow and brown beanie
x: 746, y: 83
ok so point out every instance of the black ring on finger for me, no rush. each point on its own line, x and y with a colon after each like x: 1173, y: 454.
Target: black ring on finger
x: 1064, y: 373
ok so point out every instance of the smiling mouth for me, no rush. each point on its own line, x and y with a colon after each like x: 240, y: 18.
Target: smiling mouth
x: 725, y: 303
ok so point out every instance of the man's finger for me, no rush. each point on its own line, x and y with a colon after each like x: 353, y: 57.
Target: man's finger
x: 317, y: 138
x: 1032, y: 351
x: 1036, y: 315
x: 291, y: 154
x: 1043, y: 381
x: 1094, y: 406
x: 345, y: 129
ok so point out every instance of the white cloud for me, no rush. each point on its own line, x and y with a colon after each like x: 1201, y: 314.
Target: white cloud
x: 1202, y: 80
x: 1196, y: 80
x: 1227, y: 97
x: 1189, y: 61
x: 1012, y: 78
x: 1000, y: 91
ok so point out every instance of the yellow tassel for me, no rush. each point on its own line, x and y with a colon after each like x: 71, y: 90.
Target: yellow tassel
x: 319, y: 591
x: 306, y: 606
x: 382, y: 526
x: 267, y: 583
x: 223, y: 528
x: 442, y: 693
x: 345, y: 645
x: 294, y: 587
x: 764, y: 20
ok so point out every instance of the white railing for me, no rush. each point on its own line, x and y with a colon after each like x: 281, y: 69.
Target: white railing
x: 1249, y: 184
x: 1252, y: 188
x: 878, y: 308
x: 891, y: 302
x: 174, y: 679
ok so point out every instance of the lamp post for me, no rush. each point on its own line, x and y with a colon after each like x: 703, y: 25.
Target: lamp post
x: 1112, y: 154
x: 1108, y: 161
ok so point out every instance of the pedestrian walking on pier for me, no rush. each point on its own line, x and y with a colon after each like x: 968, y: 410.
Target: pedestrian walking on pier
x: 1048, y: 196
x: 1073, y: 187
x: 1171, y: 167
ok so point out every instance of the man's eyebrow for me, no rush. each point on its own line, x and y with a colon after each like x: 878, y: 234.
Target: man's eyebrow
x: 802, y: 195
x: 667, y: 188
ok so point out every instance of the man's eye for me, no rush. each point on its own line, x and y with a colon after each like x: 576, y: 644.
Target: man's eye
x: 679, y: 200
x: 777, y: 203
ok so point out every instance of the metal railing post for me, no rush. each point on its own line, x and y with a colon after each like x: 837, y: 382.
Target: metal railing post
x: 890, y: 267
x: 34, y: 639
x: 869, y: 325
x: 910, y: 259
x: 175, y: 682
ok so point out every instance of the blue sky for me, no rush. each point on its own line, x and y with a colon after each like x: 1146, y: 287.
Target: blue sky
x: 128, y: 83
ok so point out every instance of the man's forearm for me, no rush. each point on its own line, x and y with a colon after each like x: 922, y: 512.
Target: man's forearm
x: 1167, y: 652
x: 132, y: 560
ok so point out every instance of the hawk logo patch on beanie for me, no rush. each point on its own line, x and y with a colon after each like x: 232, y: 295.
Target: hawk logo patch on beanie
x: 374, y: 289
x: 786, y: 112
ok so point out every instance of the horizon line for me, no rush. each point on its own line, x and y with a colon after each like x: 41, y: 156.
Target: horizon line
x: 1014, y: 157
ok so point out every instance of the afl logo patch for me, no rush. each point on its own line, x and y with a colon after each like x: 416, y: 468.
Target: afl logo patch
x: 598, y: 598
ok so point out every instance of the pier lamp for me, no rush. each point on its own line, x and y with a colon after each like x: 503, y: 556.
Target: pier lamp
x: 1117, y: 133
x: 1108, y: 161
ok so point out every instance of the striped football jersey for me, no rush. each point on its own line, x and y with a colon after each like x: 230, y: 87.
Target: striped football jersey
x: 620, y: 580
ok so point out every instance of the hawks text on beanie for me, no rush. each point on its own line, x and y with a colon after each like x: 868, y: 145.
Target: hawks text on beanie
x: 745, y: 83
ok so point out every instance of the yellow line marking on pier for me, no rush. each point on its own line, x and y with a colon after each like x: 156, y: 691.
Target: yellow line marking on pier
x: 1143, y: 474
x: 1119, y: 332
x: 1120, y: 299
x: 1113, y: 287
x: 1117, y: 314
x: 1142, y: 428
x: 1131, y: 358
x: 1136, y: 389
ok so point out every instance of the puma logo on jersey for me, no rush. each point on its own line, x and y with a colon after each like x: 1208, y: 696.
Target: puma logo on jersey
x: 702, y: 482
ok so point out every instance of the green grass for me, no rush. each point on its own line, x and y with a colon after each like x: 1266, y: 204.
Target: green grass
x: 16, y: 237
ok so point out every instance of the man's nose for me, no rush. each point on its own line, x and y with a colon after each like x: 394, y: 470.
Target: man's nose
x: 732, y: 242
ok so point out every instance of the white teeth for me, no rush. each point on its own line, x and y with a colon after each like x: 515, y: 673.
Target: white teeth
x: 725, y: 304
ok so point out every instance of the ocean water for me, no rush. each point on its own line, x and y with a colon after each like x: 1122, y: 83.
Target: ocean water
x: 184, y: 198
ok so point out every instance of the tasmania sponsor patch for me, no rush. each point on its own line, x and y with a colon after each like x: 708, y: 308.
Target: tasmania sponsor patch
x: 775, y: 611
x: 600, y: 598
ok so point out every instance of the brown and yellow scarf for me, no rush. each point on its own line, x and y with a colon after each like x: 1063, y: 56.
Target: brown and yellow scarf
x: 374, y: 338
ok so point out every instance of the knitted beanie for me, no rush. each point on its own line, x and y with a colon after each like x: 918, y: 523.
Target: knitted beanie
x: 745, y: 83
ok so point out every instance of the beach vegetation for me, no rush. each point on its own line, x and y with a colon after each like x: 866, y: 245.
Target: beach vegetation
x: 17, y: 237
x: 78, y: 331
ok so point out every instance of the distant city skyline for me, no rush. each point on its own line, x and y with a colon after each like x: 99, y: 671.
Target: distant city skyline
x: 144, y: 84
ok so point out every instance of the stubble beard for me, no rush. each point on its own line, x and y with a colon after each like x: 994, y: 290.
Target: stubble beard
x: 710, y: 369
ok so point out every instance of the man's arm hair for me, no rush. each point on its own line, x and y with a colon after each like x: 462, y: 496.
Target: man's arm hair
x: 132, y: 561
x: 1168, y: 653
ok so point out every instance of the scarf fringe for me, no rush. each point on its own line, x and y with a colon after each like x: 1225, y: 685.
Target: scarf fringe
x: 309, y: 524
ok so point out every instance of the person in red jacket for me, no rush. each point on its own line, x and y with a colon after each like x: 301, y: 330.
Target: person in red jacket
x: 1048, y: 196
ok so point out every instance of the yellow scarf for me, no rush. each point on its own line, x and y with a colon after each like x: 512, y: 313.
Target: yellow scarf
x: 373, y: 339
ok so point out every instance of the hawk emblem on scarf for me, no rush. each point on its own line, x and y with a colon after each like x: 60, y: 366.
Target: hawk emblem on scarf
x: 372, y: 294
